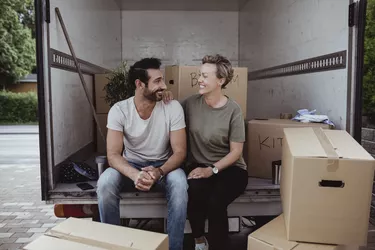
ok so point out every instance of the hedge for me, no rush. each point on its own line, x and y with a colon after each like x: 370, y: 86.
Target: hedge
x: 18, y: 107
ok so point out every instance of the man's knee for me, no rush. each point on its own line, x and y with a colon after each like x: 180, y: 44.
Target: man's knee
x: 177, y: 186
x: 108, y: 186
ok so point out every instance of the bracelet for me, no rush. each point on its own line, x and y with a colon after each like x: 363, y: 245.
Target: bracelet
x: 161, y: 172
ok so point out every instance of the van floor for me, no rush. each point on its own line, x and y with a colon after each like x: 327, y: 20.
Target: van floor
x: 72, y: 190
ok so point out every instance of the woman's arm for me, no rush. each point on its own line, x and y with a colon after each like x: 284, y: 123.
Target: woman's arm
x: 234, y: 154
x: 236, y: 138
x: 227, y: 161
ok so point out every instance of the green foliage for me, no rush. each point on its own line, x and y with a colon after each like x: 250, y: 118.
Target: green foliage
x: 18, y: 107
x: 118, y: 87
x: 369, y: 61
x: 17, y: 47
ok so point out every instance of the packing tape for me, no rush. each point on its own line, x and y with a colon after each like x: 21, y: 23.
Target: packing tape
x: 332, y: 156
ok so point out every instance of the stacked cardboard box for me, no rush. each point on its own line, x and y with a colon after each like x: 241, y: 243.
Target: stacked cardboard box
x: 102, y: 109
x: 182, y: 81
x: 326, y: 184
x: 264, y: 143
x: 78, y: 234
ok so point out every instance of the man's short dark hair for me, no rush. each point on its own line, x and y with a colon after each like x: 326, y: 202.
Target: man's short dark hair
x: 139, y: 69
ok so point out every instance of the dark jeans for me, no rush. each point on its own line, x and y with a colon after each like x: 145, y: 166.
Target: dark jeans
x: 209, y: 199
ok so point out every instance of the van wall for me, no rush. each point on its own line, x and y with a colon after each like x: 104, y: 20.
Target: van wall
x: 275, y: 32
x: 94, y: 27
x: 179, y: 37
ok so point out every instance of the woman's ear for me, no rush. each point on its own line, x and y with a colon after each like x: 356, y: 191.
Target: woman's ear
x: 221, y: 81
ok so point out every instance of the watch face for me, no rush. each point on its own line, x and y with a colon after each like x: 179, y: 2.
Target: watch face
x: 215, y: 170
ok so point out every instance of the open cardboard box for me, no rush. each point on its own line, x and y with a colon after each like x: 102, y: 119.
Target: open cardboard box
x: 77, y: 234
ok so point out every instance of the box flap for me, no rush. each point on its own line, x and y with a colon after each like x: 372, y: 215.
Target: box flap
x: 274, y: 234
x: 346, y: 146
x: 305, y: 142
x: 316, y: 142
x: 285, y: 122
x: 47, y: 243
x: 109, y: 236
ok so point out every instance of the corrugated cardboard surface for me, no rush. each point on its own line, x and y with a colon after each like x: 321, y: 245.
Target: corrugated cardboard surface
x: 273, y: 236
x: 101, y: 106
x: 46, y: 242
x: 84, y: 234
x: 264, y: 143
x: 314, y: 209
x: 182, y: 81
x: 101, y: 145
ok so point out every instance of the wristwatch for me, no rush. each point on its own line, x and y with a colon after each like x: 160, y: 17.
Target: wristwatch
x: 215, y: 170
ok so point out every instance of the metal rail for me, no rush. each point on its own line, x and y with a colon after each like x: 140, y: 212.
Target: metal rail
x: 326, y: 62
x: 61, y: 60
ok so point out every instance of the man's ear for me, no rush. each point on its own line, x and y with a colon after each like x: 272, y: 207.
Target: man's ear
x: 138, y: 84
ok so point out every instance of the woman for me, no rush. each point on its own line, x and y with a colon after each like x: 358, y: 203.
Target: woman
x: 217, y: 172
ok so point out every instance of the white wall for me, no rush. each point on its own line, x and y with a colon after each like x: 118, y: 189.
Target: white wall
x: 179, y: 37
x: 276, y: 32
x: 94, y: 27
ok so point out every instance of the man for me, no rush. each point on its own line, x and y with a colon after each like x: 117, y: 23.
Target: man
x: 154, y: 139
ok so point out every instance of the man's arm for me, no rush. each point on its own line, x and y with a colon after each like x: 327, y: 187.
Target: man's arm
x: 118, y: 162
x: 178, y: 144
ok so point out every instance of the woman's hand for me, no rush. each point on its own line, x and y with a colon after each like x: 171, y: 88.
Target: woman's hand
x: 201, y: 173
x: 167, y: 96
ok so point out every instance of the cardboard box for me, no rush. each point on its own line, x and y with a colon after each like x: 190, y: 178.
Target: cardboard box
x: 264, y: 143
x: 100, y: 82
x: 183, y: 82
x: 326, y: 185
x: 273, y: 236
x: 77, y: 234
x: 101, y: 145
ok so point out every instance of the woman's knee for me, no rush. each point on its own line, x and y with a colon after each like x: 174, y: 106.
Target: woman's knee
x: 195, y: 186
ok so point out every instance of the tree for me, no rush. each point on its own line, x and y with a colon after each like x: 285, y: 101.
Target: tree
x: 369, y: 61
x: 17, y: 47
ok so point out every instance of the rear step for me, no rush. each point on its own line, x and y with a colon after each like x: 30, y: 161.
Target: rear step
x: 76, y: 210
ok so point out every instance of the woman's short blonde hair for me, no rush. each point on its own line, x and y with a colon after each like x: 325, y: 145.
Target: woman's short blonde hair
x: 223, y: 67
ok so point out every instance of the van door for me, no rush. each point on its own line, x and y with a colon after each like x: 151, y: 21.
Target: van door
x: 66, y: 118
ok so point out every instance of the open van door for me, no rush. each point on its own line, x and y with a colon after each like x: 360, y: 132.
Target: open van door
x: 66, y: 105
x: 357, y: 21
x: 42, y: 19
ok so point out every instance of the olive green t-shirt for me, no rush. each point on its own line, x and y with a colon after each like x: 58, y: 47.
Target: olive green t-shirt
x: 210, y: 130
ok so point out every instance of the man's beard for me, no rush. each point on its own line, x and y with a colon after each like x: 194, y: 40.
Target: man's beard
x: 153, y: 96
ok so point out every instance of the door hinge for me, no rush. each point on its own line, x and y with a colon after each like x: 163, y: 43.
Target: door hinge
x: 47, y: 11
x: 351, y: 14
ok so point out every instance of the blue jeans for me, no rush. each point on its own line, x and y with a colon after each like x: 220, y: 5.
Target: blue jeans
x: 112, y: 182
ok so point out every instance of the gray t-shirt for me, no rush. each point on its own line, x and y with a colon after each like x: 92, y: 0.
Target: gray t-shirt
x: 210, y: 130
x: 146, y: 140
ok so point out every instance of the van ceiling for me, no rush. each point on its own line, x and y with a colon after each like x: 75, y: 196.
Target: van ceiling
x: 187, y: 5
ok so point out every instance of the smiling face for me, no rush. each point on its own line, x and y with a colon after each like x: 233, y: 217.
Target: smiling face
x: 208, y: 81
x: 155, y: 87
